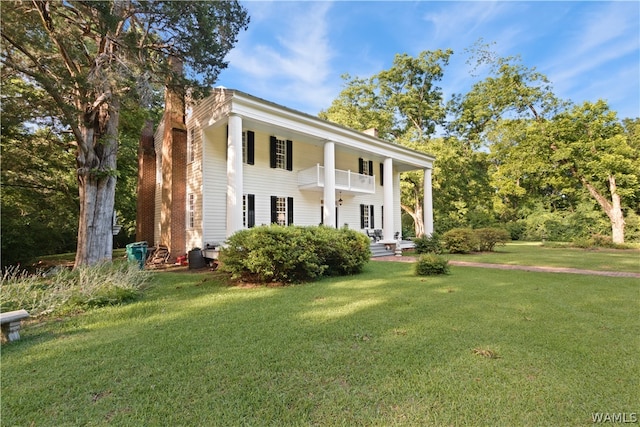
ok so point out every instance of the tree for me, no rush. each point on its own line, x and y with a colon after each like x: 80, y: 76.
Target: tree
x: 404, y: 104
x: 89, y: 57
x: 589, y: 145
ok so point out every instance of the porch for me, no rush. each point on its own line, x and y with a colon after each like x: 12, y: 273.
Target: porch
x: 379, y: 249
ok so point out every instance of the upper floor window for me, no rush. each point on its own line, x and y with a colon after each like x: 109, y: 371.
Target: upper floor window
x: 365, y: 167
x: 248, y: 147
x: 190, y: 141
x: 281, y: 153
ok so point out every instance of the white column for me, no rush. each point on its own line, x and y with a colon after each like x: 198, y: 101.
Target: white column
x: 427, y: 204
x: 389, y: 208
x: 234, y: 175
x: 329, y: 210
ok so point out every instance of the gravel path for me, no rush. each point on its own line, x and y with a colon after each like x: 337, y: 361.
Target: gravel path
x: 519, y: 267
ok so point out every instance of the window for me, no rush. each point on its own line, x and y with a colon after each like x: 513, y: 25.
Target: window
x: 281, y: 210
x: 365, y: 167
x: 281, y: 155
x: 190, y: 141
x: 322, y: 214
x: 366, y: 216
x: 191, y: 208
x: 249, y: 210
x: 248, y: 147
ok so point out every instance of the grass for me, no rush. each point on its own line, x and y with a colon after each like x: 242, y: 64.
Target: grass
x: 534, y: 253
x: 386, y: 347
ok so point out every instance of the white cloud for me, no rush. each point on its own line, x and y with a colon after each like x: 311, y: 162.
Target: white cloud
x: 286, y: 55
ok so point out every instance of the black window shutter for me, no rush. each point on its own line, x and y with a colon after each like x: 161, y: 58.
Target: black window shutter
x: 274, y: 209
x: 381, y: 173
x: 371, y: 167
x: 251, y: 144
x: 272, y: 151
x: 362, y: 211
x: 289, y: 155
x: 360, y: 165
x: 289, y: 210
x: 251, y: 210
x: 371, y: 222
x: 321, y: 215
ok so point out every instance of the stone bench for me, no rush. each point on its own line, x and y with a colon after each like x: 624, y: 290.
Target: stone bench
x: 10, y: 323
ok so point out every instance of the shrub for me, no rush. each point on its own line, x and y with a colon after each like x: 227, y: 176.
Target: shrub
x: 428, y: 244
x: 63, y: 289
x: 459, y: 241
x: 488, y: 238
x: 431, y: 264
x: 597, y: 241
x: 293, y: 254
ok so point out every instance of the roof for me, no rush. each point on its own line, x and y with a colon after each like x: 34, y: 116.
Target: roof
x: 292, y: 123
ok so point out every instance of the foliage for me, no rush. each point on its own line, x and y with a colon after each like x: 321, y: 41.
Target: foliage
x: 597, y: 241
x: 39, y: 190
x: 62, y: 289
x: 428, y: 244
x: 294, y: 254
x: 488, y: 238
x: 91, y: 58
x: 460, y: 241
x: 431, y: 265
x: 405, y: 104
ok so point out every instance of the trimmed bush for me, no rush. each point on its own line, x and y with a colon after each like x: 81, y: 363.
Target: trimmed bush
x: 293, y: 254
x: 460, y: 241
x: 431, y: 265
x: 488, y: 238
x: 428, y: 244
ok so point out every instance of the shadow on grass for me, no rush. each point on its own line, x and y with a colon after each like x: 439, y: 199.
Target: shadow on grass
x: 379, y: 348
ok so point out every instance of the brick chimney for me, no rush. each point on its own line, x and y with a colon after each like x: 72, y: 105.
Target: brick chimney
x: 146, y: 188
x: 372, y: 132
x: 174, y: 172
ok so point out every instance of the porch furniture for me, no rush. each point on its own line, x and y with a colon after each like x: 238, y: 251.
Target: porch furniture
x: 371, y: 235
x: 10, y: 323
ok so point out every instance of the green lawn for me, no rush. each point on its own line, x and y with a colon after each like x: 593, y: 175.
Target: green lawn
x: 381, y: 348
x: 534, y: 253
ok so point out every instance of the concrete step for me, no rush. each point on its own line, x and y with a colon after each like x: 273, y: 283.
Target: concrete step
x: 379, y: 249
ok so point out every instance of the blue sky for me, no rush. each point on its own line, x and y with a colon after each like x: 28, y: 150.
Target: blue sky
x: 294, y: 52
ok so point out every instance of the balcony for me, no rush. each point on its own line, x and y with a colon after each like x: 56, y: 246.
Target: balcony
x: 346, y: 181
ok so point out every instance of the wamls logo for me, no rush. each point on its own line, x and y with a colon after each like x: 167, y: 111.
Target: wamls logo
x: 619, y: 417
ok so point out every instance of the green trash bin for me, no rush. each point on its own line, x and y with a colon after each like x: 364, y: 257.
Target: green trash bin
x: 137, y: 252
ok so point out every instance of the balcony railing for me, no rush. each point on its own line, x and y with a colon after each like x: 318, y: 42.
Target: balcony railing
x: 348, y: 181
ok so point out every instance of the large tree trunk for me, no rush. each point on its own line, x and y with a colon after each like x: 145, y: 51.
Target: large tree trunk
x: 96, y: 161
x: 612, y: 208
x: 418, y: 219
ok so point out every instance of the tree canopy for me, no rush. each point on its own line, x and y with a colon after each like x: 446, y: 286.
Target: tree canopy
x: 511, y: 152
x: 91, y: 57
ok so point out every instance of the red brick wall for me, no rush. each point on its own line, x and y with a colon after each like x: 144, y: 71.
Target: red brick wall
x: 146, y: 186
x: 174, y: 176
x: 179, y: 193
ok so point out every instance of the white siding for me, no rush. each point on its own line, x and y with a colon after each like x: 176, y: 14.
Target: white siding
x: 214, y: 185
x: 194, y: 186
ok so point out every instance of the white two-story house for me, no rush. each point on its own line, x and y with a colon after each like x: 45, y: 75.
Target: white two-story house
x: 237, y: 161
